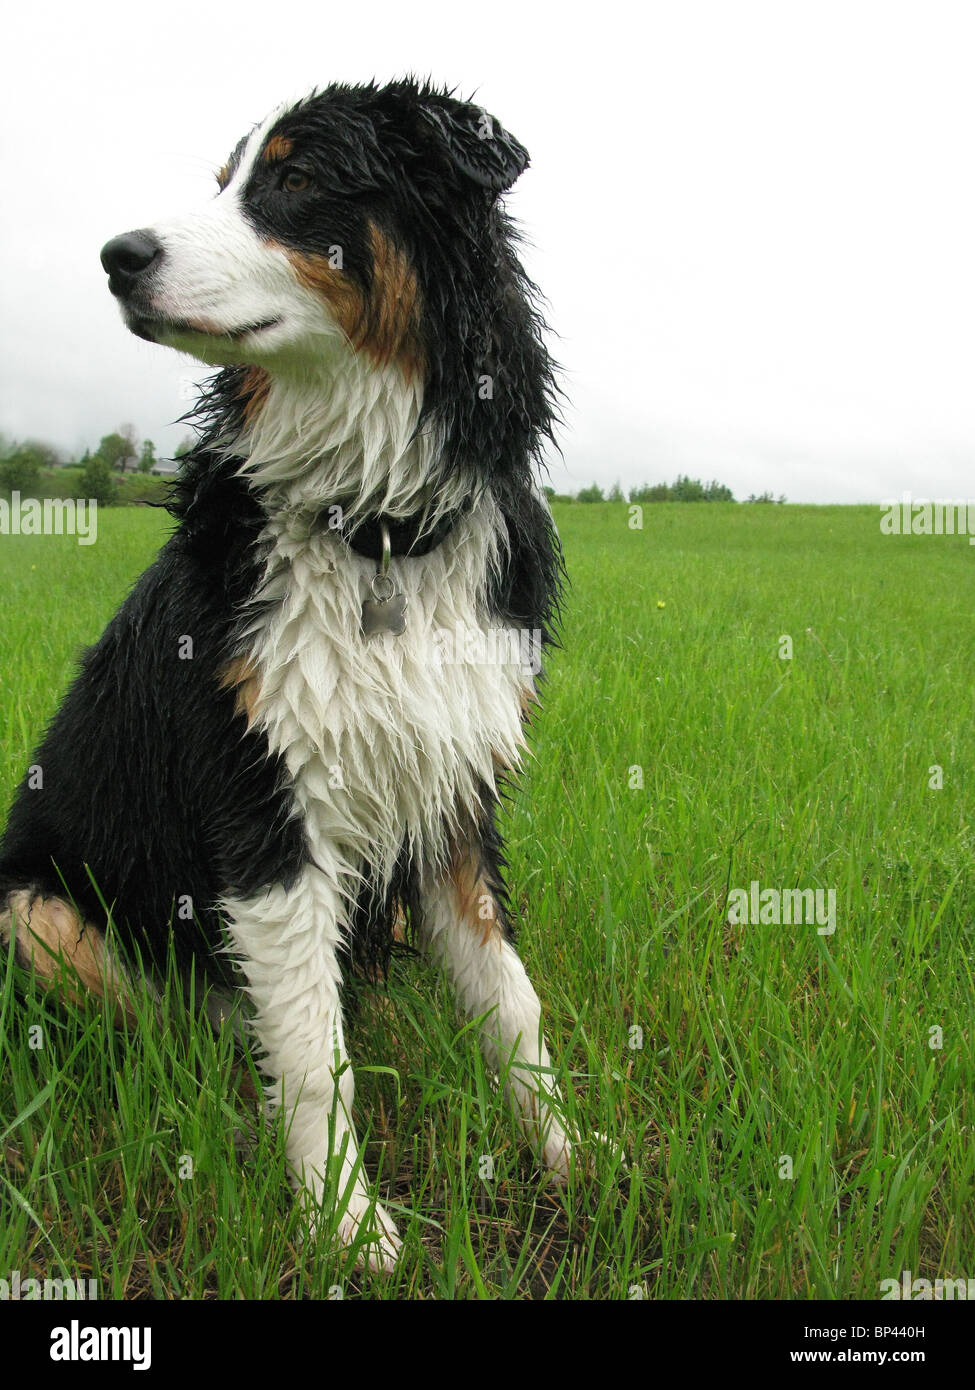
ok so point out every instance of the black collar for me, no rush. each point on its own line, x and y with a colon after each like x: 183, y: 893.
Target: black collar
x: 364, y: 535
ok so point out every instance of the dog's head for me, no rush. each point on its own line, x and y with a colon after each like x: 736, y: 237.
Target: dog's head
x: 356, y: 278
x: 355, y: 219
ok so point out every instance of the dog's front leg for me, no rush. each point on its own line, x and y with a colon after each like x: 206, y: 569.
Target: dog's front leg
x: 464, y: 928
x: 288, y: 944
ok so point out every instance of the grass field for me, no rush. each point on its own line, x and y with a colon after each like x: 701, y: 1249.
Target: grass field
x: 794, y: 1124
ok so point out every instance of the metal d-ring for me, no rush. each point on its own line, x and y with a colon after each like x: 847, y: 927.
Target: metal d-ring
x: 382, y: 586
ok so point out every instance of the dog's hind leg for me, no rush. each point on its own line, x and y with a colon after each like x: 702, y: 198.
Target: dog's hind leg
x: 464, y: 928
x: 288, y: 943
x: 65, y: 951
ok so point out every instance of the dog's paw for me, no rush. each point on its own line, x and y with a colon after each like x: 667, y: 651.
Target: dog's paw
x: 362, y: 1223
x: 560, y: 1153
x: 381, y: 1245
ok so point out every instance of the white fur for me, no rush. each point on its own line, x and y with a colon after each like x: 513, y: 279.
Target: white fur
x: 409, y: 738
x: 347, y: 430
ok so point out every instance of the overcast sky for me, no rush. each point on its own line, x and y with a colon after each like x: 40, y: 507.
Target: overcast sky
x: 754, y: 222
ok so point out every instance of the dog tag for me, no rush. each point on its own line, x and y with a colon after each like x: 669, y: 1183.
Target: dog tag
x: 386, y: 611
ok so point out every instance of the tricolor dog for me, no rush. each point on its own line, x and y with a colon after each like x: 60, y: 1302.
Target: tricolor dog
x: 299, y: 720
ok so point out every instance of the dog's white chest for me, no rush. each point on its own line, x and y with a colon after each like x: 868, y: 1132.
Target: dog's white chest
x: 388, y: 736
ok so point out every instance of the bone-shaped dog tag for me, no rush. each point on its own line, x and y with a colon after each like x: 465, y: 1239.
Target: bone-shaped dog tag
x: 385, y: 611
x: 384, y: 614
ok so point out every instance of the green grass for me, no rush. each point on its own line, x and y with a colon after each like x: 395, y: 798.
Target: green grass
x: 757, y: 1041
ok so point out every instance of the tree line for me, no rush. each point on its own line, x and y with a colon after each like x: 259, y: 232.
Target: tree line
x: 684, y: 489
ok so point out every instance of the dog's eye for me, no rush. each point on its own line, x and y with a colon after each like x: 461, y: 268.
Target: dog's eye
x: 295, y: 181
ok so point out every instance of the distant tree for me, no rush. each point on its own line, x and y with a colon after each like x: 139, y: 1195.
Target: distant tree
x: 21, y: 471
x: 615, y: 494
x: 115, y: 450
x: 97, y: 481
x: 183, y: 447
x: 717, y: 492
x: 658, y: 492
x: 591, y: 494
x: 147, y: 458
x: 549, y: 492
x: 762, y: 497
x: 687, y: 489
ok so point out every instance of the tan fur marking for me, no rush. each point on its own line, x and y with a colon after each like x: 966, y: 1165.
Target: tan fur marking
x: 239, y: 675
x: 253, y: 392
x: 399, y: 926
x: 529, y: 702
x: 395, y: 306
x: 223, y: 177
x: 278, y: 147
x: 469, y: 892
x: 386, y: 324
x: 340, y: 293
x: 63, y: 950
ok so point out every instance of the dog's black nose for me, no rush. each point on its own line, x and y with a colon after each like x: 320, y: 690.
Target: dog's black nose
x: 127, y: 257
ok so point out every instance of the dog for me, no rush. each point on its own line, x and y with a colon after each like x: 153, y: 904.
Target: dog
x: 295, y: 731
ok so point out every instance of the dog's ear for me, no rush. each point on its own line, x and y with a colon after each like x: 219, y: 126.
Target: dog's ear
x: 476, y: 145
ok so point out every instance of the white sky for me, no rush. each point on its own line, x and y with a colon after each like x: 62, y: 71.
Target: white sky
x: 754, y: 222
